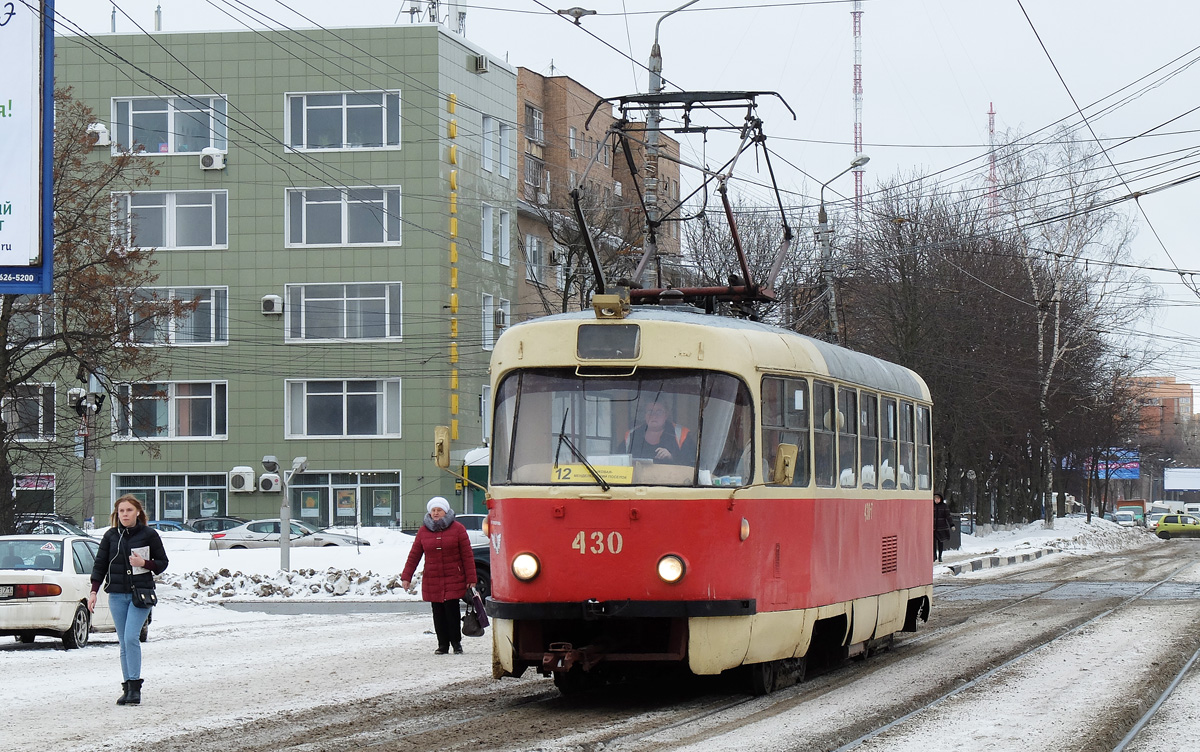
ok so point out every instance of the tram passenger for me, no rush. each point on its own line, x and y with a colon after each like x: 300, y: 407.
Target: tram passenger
x: 941, y: 525
x: 660, y: 439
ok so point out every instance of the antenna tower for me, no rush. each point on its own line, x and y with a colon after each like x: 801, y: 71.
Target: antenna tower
x: 856, y: 14
x: 992, y: 184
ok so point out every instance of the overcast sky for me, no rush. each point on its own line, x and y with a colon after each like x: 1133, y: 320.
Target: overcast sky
x: 931, y: 68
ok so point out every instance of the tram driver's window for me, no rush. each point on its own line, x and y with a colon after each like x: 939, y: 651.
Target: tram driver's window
x: 825, y: 426
x: 785, y: 421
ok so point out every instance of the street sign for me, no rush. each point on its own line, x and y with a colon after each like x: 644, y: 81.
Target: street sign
x: 26, y: 146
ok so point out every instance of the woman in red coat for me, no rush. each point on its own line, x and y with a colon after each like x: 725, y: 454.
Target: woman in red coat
x: 449, y: 570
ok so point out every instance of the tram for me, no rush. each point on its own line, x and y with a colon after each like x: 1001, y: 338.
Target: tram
x: 674, y: 489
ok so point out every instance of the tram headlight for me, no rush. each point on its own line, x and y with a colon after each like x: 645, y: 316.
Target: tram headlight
x: 525, y: 567
x: 670, y: 568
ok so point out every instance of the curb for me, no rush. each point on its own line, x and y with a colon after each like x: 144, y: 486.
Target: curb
x: 988, y: 562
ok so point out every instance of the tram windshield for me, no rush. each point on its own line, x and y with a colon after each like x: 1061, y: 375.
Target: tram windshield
x: 652, y: 427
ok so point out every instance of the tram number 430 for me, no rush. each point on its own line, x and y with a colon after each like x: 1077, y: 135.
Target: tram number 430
x: 597, y: 543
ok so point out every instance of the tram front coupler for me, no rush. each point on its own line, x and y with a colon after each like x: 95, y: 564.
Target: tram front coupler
x: 562, y: 657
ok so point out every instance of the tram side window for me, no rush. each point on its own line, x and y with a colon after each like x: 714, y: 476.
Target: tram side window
x: 785, y: 421
x: 847, y: 438
x: 868, y: 431
x: 906, y: 445
x: 924, y: 450
x: 889, y: 428
x: 825, y: 423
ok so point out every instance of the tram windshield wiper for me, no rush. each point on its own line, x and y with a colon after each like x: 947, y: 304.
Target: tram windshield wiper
x: 562, y: 439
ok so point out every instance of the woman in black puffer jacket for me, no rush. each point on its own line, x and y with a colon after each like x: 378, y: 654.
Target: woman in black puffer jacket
x: 130, y: 555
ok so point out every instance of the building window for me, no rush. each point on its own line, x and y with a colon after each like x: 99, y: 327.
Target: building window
x: 172, y: 125
x: 534, y: 130
x: 175, y: 496
x: 487, y: 231
x: 29, y: 412
x: 345, y: 499
x: 171, y: 410
x: 535, y: 259
x: 495, y: 319
x: 536, y: 180
x: 206, y: 325
x: 175, y: 219
x: 487, y: 144
x: 32, y: 321
x: 485, y: 413
x: 571, y: 133
x: 503, y: 240
x: 352, y: 408
x: 363, y: 311
x: 343, y: 216
x: 345, y: 120
x: 505, y: 150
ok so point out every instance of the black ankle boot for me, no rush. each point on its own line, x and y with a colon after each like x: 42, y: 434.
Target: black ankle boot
x: 134, y: 697
x: 124, y: 698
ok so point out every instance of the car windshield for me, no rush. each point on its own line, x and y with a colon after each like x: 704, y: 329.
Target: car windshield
x: 1124, y: 516
x: 31, y: 554
x: 652, y: 427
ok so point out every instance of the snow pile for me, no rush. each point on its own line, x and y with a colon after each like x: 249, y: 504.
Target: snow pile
x: 1069, y: 534
x: 224, y: 584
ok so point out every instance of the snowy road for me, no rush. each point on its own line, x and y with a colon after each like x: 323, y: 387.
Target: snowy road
x: 1101, y: 635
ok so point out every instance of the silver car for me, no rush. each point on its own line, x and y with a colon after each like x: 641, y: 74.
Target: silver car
x: 265, y: 534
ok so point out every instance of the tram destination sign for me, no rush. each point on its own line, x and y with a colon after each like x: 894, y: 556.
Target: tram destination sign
x: 26, y: 116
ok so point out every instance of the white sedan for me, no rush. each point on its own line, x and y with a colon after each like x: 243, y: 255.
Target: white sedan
x: 44, y: 584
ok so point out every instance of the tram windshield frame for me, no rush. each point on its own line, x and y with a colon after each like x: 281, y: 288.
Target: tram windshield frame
x: 556, y: 426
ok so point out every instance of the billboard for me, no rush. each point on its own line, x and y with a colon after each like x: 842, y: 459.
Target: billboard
x: 1118, y: 464
x: 26, y: 143
x: 1181, y: 479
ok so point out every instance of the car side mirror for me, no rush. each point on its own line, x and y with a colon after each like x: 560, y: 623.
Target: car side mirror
x: 784, y: 471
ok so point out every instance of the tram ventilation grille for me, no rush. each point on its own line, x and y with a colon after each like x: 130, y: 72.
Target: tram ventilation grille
x: 889, y: 554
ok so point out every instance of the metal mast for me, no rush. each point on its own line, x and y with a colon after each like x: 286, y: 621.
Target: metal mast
x: 993, y: 199
x: 856, y: 14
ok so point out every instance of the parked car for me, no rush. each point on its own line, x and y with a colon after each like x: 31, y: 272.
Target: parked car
x: 216, y: 524
x: 174, y: 526
x: 483, y: 569
x: 474, y: 525
x: 1178, y: 526
x: 265, y: 534
x: 1125, y: 519
x: 48, y: 524
x: 1153, y: 520
x: 44, y: 584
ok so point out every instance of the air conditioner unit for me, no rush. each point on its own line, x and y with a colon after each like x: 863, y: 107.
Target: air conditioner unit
x: 100, y: 133
x: 270, y: 483
x: 481, y: 64
x: 272, y: 305
x: 212, y: 159
x: 241, y: 479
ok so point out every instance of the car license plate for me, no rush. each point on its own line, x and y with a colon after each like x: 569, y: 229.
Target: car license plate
x: 6, y: 591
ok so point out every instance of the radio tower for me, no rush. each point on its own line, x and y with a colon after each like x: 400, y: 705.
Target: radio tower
x: 856, y: 14
x: 993, y: 199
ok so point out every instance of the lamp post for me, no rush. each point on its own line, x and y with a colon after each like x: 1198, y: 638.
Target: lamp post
x: 827, y: 251
x: 271, y: 465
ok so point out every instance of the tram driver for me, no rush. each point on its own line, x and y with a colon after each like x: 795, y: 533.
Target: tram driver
x: 661, y: 439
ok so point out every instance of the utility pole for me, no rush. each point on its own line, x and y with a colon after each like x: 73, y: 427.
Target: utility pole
x: 833, y: 333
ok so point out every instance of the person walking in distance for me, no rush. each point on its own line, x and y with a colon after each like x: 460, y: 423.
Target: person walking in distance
x: 449, y: 570
x: 941, y: 525
x: 129, y: 556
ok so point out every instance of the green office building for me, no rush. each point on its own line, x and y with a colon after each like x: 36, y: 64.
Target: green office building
x: 341, y: 202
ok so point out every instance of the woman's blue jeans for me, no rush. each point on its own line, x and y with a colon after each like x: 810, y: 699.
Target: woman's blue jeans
x: 128, y: 619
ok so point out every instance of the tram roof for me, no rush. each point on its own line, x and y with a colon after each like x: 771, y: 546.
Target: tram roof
x: 804, y: 353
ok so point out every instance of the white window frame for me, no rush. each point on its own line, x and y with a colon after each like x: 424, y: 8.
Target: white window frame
x: 488, y: 322
x: 168, y: 392
x: 297, y: 302
x: 390, y: 98
x: 504, y: 239
x: 535, y: 124
x: 166, y: 332
x: 535, y: 259
x: 571, y: 133
x: 296, y: 394
x: 487, y: 143
x: 505, y: 150
x: 41, y: 322
x: 487, y: 231
x: 217, y: 107
x: 392, y: 203
x: 485, y: 414
x: 171, y: 207
x: 41, y: 396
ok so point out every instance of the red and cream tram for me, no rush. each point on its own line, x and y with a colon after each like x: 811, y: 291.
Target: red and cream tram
x: 669, y: 487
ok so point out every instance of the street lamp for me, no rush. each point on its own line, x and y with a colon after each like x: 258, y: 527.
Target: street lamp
x: 827, y: 251
x: 271, y: 465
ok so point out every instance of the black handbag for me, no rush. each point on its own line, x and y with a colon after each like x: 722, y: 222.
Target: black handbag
x: 144, y: 597
x: 472, y: 624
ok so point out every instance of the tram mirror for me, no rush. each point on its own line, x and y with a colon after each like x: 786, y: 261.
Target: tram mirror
x: 441, y: 446
x: 785, y: 465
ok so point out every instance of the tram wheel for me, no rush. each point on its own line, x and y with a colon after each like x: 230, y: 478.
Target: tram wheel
x: 762, y: 678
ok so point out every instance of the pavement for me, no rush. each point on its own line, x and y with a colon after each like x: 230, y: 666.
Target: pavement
x: 958, y: 563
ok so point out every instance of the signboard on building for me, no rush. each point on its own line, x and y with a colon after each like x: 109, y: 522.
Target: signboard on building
x: 26, y: 144
x: 1118, y: 464
x: 1181, y: 479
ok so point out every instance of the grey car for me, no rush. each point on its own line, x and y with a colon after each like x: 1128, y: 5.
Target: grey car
x: 265, y: 534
